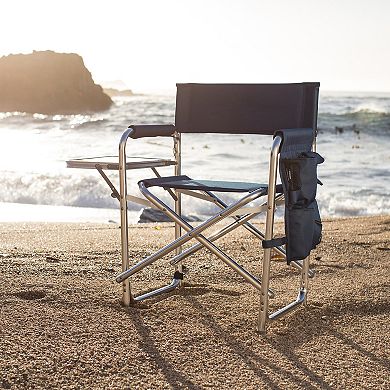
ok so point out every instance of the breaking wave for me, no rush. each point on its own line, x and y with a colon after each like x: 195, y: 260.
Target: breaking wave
x: 354, y: 140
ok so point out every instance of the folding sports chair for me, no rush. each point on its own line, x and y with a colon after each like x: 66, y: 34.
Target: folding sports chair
x: 287, y: 111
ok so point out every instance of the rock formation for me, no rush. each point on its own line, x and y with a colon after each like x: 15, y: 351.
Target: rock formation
x: 151, y: 215
x: 49, y: 83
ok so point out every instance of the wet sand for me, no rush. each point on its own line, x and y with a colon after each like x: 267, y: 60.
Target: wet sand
x: 62, y: 325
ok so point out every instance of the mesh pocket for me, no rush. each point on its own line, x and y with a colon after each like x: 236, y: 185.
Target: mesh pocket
x: 300, y: 176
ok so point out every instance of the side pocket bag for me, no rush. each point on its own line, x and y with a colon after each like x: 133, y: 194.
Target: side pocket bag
x: 302, y: 219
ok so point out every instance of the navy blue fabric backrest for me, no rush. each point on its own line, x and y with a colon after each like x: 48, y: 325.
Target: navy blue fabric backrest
x: 245, y: 108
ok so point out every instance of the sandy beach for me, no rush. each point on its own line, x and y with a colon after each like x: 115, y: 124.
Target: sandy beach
x: 62, y: 325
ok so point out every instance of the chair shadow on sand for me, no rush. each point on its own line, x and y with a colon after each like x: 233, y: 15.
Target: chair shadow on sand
x: 175, y: 378
x: 284, y: 342
x: 332, y: 312
x: 258, y: 364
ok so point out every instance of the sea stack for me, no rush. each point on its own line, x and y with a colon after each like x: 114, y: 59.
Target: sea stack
x: 47, y: 82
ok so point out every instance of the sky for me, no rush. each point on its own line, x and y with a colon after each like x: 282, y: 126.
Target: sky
x: 153, y: 44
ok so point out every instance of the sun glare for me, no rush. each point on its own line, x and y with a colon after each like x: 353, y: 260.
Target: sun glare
x: 155, y: 44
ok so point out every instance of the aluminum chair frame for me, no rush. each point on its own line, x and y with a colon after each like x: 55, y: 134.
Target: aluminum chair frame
x: 196, y: 232
x: 180, y: 224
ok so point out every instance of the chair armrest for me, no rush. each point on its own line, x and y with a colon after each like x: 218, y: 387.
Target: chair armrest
x: 140, y: 131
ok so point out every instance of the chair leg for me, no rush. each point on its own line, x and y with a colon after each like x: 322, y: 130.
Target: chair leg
x: 269, y: 228
x: 178, y: 203
x: 263, y: 316
x: 178, y: 233
x: 305, y: 279
x: 301, y: 298
x: 177, y: 278
x: 127, y: 298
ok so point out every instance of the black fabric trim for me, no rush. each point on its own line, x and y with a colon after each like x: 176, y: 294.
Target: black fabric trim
x: 279, y: 188
x: 140, y: 131
x: 178, y: 275
x: 274, y: 242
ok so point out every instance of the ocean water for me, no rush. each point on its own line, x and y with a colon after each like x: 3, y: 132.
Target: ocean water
x: 354, y: 138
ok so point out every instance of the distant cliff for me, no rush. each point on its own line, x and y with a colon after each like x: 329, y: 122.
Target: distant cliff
x: 49, y: 83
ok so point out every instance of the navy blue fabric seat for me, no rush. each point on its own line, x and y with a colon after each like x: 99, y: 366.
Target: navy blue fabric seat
x: 185, y: 183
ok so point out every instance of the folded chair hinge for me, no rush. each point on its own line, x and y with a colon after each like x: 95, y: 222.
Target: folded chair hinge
x: 273, y: 243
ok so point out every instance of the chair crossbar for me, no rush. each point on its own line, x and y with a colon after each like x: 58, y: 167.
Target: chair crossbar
x: 238, y: 221
x: 195, y: 233
x: 198, y: 195
x: 141, y: 201
x: 190, y: 234
x: 222, y: 232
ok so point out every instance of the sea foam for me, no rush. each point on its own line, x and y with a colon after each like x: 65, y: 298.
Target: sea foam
x: 34, y: 149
